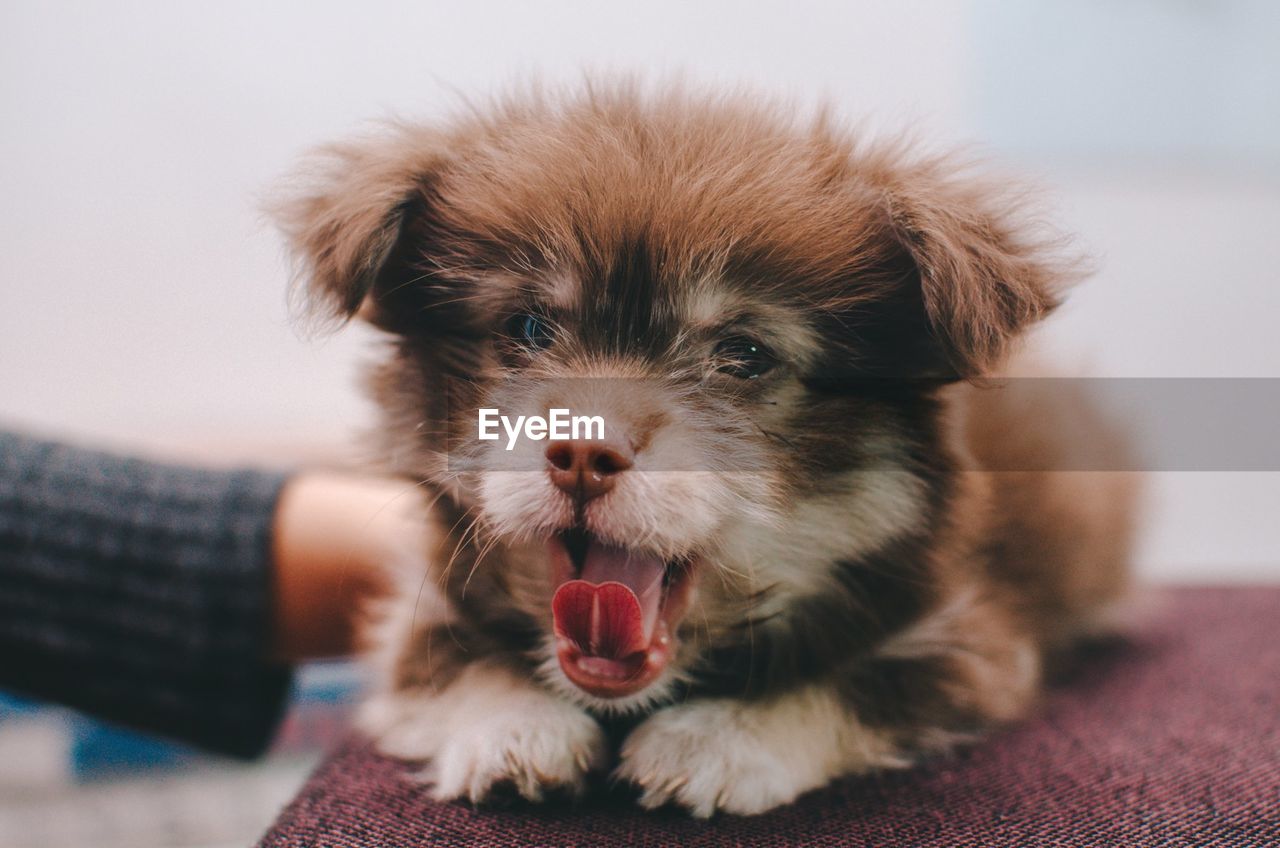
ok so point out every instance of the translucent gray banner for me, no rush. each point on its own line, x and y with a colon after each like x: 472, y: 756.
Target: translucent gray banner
x: 1023, y: 424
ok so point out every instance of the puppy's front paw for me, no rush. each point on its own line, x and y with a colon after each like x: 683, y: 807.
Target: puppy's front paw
x: 700, y: 757
x: 544, y: 746
x: 745, y: 758
x: 488, y: 728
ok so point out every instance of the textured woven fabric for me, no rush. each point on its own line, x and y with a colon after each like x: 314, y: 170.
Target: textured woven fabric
x: 139, y: 592
x: 1171, y: 739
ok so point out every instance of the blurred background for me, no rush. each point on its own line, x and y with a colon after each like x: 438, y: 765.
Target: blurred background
x: 143, y: 295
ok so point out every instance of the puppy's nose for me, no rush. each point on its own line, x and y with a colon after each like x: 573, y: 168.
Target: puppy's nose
x: 586, y: 469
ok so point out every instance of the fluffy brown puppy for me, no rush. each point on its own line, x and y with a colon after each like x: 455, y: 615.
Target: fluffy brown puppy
x: 786, y: 558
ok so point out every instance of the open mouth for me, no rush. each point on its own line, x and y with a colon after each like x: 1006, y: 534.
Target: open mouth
x: 616, y: 611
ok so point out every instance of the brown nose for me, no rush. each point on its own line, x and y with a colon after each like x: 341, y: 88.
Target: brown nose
x: 585, y: 469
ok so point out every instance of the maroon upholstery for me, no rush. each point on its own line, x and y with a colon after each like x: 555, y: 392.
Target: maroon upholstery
x: 1172, y: 739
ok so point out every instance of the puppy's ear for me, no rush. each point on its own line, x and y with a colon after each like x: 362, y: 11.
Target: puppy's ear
x: 983, y: 274
x: 345, y: 213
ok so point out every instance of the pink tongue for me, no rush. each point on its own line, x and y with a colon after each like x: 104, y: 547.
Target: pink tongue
x: 612, y: 610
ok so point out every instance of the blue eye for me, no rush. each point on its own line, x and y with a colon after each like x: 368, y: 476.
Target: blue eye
x: 530, y: 331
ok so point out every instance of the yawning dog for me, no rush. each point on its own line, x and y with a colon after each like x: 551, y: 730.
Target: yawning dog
x: 809, y: 540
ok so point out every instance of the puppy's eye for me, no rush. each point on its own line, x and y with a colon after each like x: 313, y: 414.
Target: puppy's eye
x: 743, y: 357
x: 530, y: 331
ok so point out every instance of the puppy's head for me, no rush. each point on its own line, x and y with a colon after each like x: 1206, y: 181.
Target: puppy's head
x: 757, y: 311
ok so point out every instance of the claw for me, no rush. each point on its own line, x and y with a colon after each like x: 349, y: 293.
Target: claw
x: 675, y: 783
x: 531, y: 791
x: 651, y: 801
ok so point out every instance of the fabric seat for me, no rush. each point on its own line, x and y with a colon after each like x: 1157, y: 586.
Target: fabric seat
x: 1170, y: 738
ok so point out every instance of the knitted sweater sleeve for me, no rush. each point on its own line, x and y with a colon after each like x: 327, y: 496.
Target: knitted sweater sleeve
x: 140, y: 592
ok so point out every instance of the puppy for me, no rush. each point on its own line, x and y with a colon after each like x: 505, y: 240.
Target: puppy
x: 807, y: 543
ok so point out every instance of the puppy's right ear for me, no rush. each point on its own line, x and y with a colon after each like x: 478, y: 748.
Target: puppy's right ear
x: 346, y: 210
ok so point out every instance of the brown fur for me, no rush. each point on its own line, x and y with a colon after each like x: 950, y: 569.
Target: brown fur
x: 914, y: 582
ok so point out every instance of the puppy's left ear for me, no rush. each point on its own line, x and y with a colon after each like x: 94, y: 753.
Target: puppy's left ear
x: 346, y: 213
x: 984, y: 274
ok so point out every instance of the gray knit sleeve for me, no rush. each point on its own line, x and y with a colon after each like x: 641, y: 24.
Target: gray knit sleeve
x: 140, y: 592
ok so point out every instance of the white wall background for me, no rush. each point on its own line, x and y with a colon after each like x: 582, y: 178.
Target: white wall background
x: 142, y: 297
